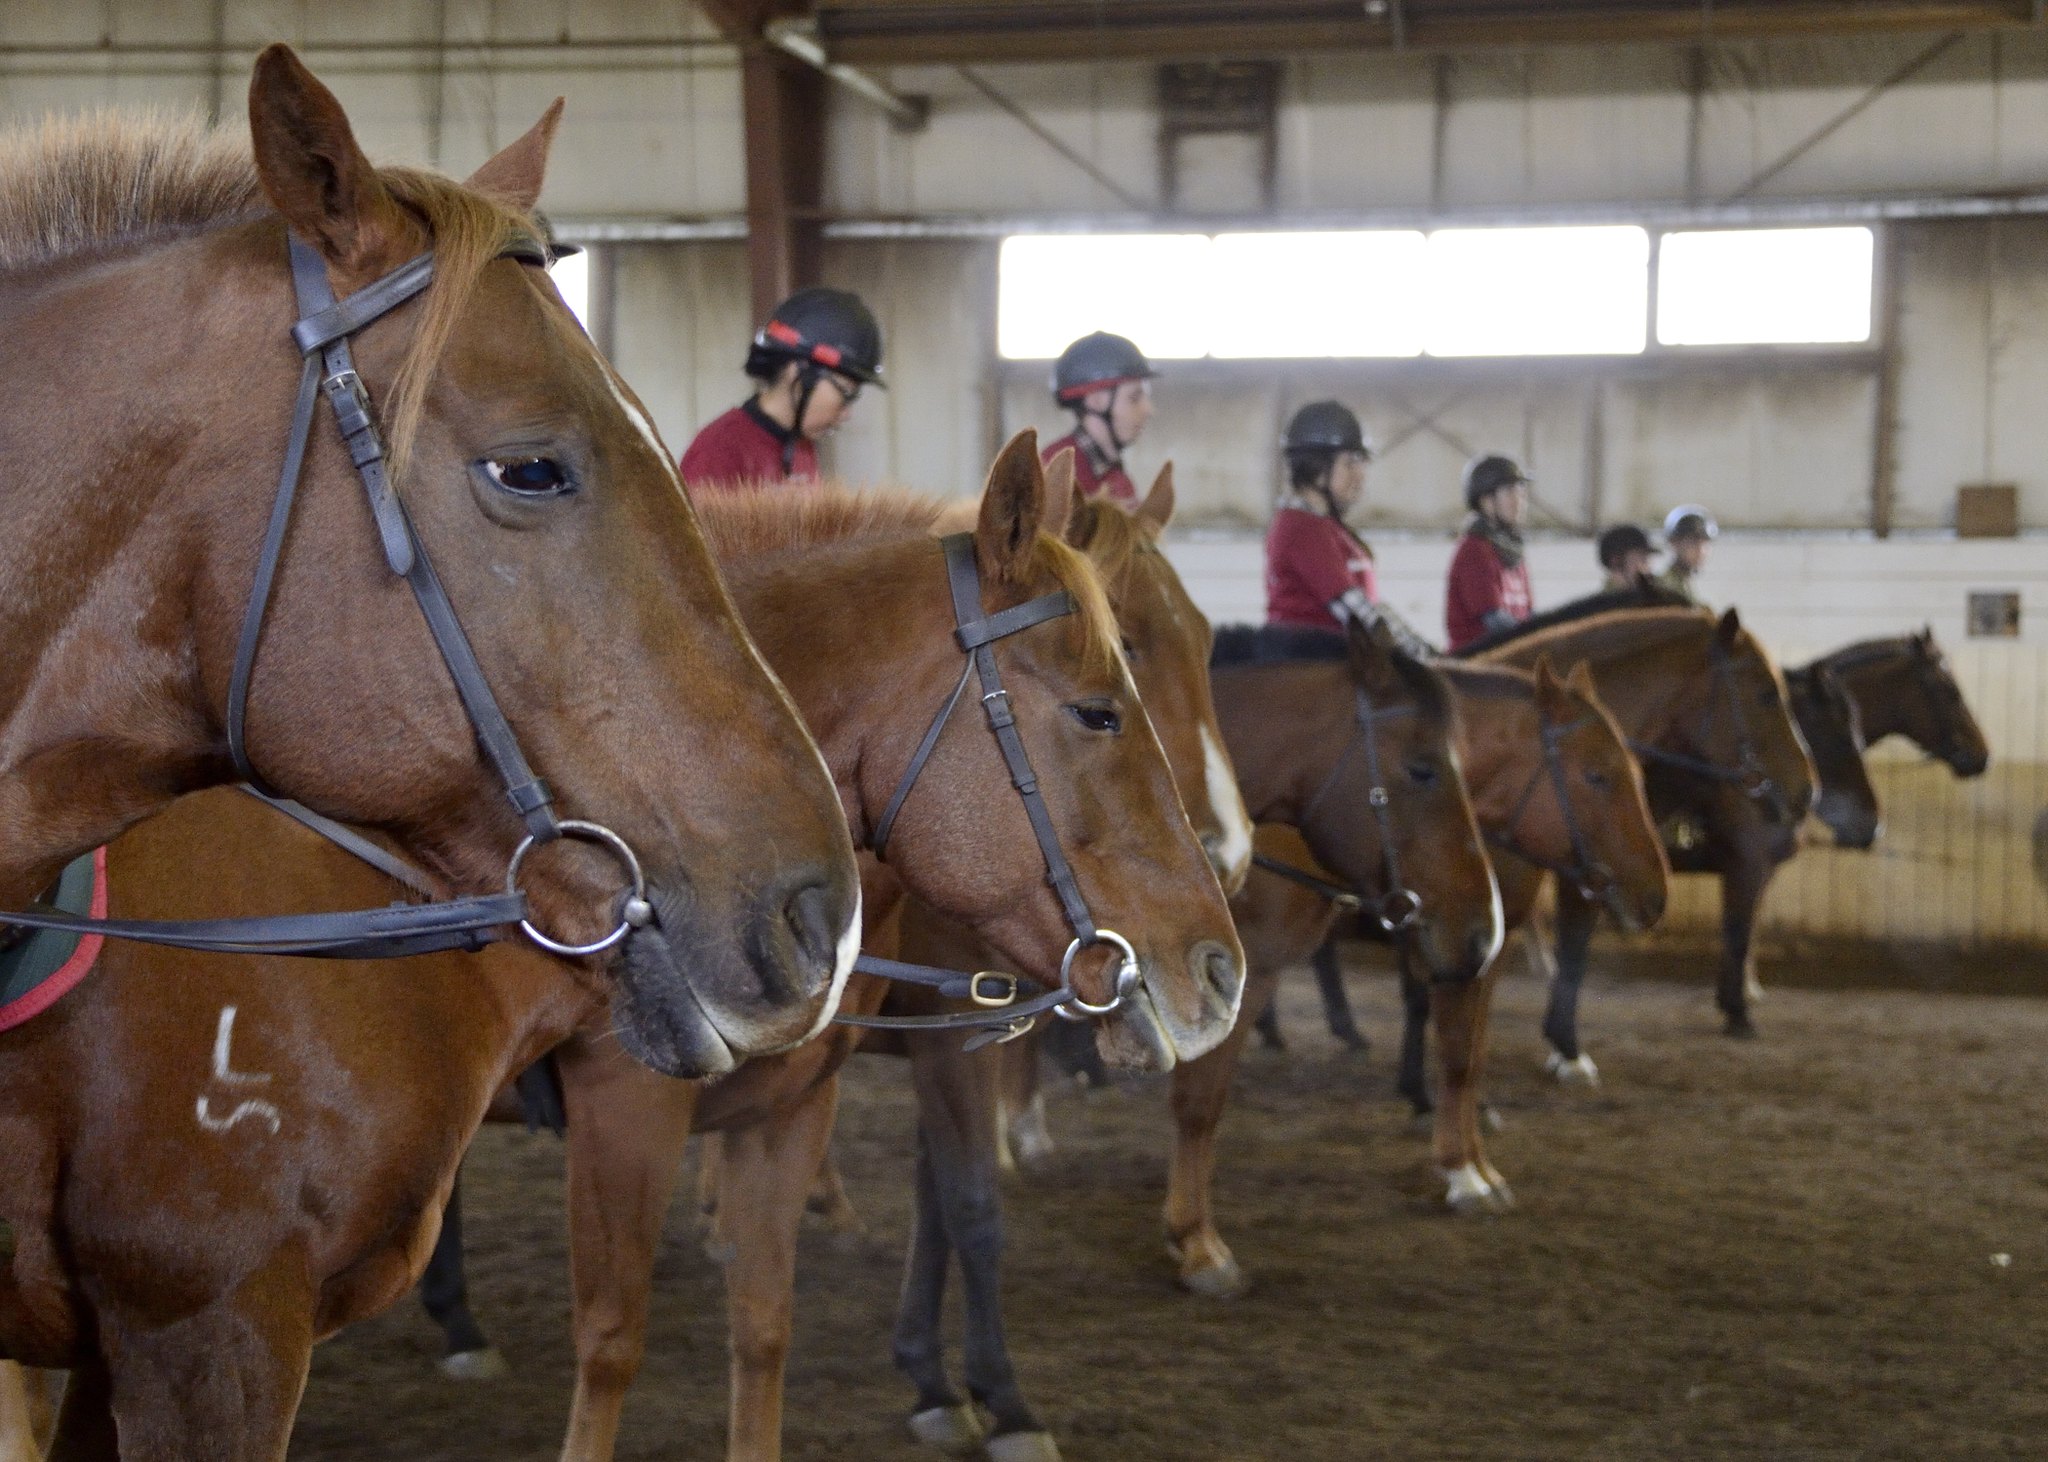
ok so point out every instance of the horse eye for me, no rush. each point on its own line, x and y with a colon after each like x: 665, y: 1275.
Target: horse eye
x: 1130, y: 650
x: 528, y: 476
x: 1597, y: 779
x: 1097, y: 717
x: 1422, y: 773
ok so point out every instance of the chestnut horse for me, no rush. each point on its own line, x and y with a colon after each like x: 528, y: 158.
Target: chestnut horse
x: 148, y: 385
x: 1133, y: 849
x: 1554, y: 786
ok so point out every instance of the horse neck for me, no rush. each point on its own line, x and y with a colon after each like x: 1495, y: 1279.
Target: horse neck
x: 862, y: 636
x: 126, y: 467
x: 1282, y: 725
x: 1881, y: 685
x: 1647, y: 667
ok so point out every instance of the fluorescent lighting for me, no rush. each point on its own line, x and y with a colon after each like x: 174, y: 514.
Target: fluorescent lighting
x: 1055, y: 288
x: 1316, y: 294
x: 571, y: 275
x: 1778, y: 286
x: 1538, y: 291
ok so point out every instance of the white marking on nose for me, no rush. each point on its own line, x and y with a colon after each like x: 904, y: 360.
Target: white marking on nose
x: 849, y: 951
x: 226, y: 1075
x: 1227, y: 803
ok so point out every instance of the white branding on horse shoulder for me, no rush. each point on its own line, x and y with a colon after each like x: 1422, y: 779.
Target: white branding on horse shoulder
x: 225, y: 1074
x: 1227, y: 803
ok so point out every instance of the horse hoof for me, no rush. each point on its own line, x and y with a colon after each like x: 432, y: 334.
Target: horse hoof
x: 487, y: 1364
x: 1740, y: 1028
x: 1223, y: 1281
x: 720, y: 1251
x: 1469, y: 1195
x: 1355, y: 1044
x: 955, y: 1430
x: 1023, y: 1447
x: 1579, y: 1071
x: 1491, y: 1120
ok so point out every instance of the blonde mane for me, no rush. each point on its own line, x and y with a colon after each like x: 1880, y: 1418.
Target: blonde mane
x: 764, y: 521
x: 110, y: 180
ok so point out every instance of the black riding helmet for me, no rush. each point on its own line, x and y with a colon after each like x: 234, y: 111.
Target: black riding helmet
x: 827, y: 329
x: 1621, y: 539
x: 1097, y: 362
x: 1486, y: 475
x: 1324, y: 428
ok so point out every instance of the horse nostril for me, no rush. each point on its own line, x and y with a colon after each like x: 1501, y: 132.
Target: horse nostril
x: 1217, y: 972
x: 815, y: 916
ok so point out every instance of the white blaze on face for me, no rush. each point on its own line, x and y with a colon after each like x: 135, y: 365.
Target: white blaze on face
x: 1227, y: 803
x: 842, y: 970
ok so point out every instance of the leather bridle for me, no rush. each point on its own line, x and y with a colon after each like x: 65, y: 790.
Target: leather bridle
x: 1749, y: 773
x: 1001, y: 1015
x: 1593, y: 878
x: 322, y: 335
x: 1399, y: 909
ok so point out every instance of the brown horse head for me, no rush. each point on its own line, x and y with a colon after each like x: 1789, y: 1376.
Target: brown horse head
x: 1361, y: 756
x: 537, y: 487
x: 1905, y: 686
x: 1167, y: 641
x: 1750, y: 726
x: 864, y: 636
x: 1833, y: 732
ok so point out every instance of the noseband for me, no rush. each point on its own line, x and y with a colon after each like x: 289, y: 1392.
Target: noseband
x: 322, y: 336
x: 1002, y: 1016
x: 1399, y: 909
x: 1748, y: 773
x: 1593, y: 878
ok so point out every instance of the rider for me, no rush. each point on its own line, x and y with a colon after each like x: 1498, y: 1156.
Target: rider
x: 1688, y: 528
x: 1625, y: 554
x: 1106, y: 382
x: 1489, y: 580
x: 819, y: 347
x: 1319, y: 573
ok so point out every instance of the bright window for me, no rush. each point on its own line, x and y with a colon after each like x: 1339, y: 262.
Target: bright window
x: 1537, y: 291
x: 1316, y: 294
x: 1779, y: 286
x: 1057, y: 287
x: 571, y: 275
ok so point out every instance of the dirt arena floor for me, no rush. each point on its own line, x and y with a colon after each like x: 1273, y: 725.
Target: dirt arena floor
x: 1784, y: 1248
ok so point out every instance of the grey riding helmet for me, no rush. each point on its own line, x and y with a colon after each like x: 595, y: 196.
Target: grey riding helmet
x: 1098, y: 362
x: 1325, y: 428
x: 1488, y: 474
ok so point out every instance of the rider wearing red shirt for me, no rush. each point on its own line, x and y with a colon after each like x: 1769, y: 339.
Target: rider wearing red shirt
x: 1489, y: 581
x: 1319, y: 573
x: 1106, y: 382
x: 819, y: 347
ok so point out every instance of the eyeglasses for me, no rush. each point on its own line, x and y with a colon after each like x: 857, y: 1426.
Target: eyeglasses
x: 848, y: 388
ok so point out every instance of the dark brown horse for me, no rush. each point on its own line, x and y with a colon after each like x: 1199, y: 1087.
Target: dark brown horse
x: 148, y: 384
x: 1904, y: 686
x: 1117, y: 808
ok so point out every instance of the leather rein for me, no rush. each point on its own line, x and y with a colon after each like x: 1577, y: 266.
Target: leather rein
x: 322, y: 335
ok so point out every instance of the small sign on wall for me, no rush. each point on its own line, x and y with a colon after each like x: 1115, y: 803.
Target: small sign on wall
x: 1994, y: 614
x: 1988, y: 510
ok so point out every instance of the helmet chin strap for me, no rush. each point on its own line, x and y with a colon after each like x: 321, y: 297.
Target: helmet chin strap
x: 807, y: 376
x: 1108, y: 420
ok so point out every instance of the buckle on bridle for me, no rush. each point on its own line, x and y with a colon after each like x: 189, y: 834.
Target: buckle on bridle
x: 1075, y: 1008
x: 1399, y: 911
x: 634, y: 913
x: 1005, y: 992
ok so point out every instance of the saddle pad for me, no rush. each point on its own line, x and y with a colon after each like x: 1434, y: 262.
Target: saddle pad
x: 36, y: 973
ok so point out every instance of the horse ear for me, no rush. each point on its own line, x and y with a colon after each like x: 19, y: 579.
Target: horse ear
x: 515, y: 175
x: 1729, y: 630
x: 1157, y: 509
x: 1059, y: 482
x: 1580, y: 679
x: 313, y: 172
x: 1550, y: 693
x: 1013, y: 510
x: 1371, y: 653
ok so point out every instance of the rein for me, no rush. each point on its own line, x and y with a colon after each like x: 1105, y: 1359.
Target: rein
x: 1000, y: 1017
x: 1399, y: 909
x: 322, y: 335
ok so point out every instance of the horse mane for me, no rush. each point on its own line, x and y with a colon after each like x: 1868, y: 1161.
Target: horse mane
x: 108, y: 180
x: 1110, y: 537
x: 1649, y: 625
x: 1863, y: 652
x: 764, y: 521
x: 1487, y: 682
x: 1643, y: 594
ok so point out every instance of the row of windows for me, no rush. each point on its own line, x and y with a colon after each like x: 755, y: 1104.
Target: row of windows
x: 1451, y: 292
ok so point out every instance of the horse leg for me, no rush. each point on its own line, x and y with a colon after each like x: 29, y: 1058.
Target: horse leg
x: 627, y: 1131
x: 1337, y: 1012
x: 1027, y: 1138
x: 444, y: 1291
x: 1742, y: 891
x: 828, y: 1200
x: 85, y: 1418
x: 1268, y: 1025
x: 1201, y: 1087
x: 1575, y: 920
x: 957, y: 1100
x: 941, y: 1418
x: 1072, y: 1048
x: 17, y: 1427
x: 769, y: 1166
x: 1413, y: 1082
x: 1459, y: 1010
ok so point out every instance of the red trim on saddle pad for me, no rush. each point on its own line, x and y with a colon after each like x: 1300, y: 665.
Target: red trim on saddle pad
x: 68, y: 974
